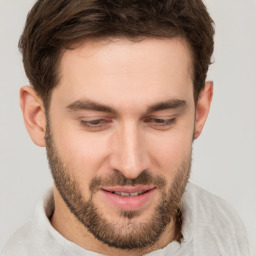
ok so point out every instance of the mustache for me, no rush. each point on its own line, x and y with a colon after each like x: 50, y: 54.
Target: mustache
x: 118, y: 179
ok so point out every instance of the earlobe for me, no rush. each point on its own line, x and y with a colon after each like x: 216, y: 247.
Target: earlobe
x: 203, y: 107
x: 34, y: 114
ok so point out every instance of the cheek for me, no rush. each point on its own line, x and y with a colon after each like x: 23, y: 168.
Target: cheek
x: 83, y: 152
x: 169, y: 150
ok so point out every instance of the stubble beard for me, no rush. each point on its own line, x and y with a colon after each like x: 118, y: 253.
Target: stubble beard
x: 125, y: 233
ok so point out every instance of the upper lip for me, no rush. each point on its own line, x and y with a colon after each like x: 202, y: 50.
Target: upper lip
x: 129, y: 189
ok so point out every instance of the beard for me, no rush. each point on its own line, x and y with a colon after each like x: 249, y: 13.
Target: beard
x: 126, y: 232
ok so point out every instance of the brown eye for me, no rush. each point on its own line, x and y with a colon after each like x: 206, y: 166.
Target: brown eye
x: 159, y: 123
x: 96, y: 124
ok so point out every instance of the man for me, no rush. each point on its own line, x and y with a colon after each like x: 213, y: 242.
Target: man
x: 118, y: 96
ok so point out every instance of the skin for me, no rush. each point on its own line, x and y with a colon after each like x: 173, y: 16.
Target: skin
x: 130, y: 78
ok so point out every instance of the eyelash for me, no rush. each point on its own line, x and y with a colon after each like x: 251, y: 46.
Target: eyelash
x: 101, y: 124
x: 95, y: 124
x: 159, y: 122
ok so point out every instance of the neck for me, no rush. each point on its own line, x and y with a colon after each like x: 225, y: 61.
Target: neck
x: 62, y: 219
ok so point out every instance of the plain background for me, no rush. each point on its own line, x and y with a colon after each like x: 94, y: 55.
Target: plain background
x: 224, y: 160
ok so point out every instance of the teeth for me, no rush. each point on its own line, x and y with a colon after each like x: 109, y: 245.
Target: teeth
x: 125, y: 194
x: 129, y: 194
x: 134, y: 194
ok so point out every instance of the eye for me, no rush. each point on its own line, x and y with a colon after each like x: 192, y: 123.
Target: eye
x: 96, y: 124
x: 159, y: 123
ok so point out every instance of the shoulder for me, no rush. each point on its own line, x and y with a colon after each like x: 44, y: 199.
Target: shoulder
x: 32, y: 238
x: 22, y: 242
x: 210, y: 205
x: 214, y: 222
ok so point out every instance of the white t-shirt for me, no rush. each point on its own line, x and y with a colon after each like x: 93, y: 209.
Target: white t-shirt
x: 210, y: 227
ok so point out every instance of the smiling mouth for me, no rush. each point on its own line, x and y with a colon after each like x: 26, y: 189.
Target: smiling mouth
x: 128, y: 191
x: 125, y: 194
x: 129, y: 194
x: 129, y: 198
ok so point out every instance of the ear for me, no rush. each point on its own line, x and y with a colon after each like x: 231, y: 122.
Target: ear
x: 34, y: 114
x: 203, y: 107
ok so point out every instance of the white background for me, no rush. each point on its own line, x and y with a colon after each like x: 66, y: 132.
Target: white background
x: 224, y: 156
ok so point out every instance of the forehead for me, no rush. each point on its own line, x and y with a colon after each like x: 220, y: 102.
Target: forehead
x: 117, y: 70
x: 116, y: 51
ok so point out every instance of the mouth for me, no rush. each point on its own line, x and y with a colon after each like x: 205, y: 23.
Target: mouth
x: 129, y: 198
x: 129, y: 194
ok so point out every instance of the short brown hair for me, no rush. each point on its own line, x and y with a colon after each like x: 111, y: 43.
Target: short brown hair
x: 54, y: 25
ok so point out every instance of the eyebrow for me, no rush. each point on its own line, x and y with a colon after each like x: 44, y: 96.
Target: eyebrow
x: 90, y: 105
x: 165, y: 105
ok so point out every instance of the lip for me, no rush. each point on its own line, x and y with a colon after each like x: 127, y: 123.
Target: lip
x: 129, y: 189
x: 129, y: 203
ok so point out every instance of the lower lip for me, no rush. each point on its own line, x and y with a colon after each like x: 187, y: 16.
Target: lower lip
x: 129, y: 203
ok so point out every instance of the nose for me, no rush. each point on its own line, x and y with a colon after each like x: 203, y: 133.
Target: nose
x: 129, y: 152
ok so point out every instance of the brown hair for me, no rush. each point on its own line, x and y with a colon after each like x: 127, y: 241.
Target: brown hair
x: 54, y: 25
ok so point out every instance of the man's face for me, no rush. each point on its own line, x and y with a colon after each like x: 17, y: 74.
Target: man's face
x: 119, y: 136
